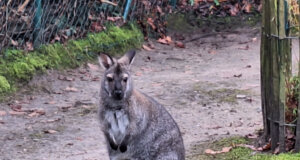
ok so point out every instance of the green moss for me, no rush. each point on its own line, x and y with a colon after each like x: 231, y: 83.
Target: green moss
x: 18, y: 66
x: 4, y: 85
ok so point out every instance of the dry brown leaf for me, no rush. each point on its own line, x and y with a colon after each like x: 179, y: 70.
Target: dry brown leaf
x: 179, y: 44
x: 150, y: 21
x: 93, y: 67
x: 212, y: 152
x: 138, y: 73
x: 71, y: 89
x: 29, y: 46
x: 244, y: 48
x: 162, y: 41
x: 50, y: 131
x: 212, y: 51
x: 16, y: 113
x: 50, y: 102
x: 145, y: 47
x: 33, y: 114
x: 13, y: 42
x: 2, y: 113
x: 113, y: 19
x: 248, y: 7
x: 17, y: 108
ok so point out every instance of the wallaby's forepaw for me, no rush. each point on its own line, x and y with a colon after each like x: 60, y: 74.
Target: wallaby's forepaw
x: 113, y: 146
x: 123, y: 148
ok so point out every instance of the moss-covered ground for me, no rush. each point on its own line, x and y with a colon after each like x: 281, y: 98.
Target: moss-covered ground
x: 18, y: 66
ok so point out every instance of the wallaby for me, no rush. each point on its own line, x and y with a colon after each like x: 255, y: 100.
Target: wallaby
x: 135, y: 126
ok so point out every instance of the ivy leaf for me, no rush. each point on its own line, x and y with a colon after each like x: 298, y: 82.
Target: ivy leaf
x: 217, y: 2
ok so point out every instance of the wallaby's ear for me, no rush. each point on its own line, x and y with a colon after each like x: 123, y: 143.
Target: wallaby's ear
x: 128, y: 58
x: 105, y: 60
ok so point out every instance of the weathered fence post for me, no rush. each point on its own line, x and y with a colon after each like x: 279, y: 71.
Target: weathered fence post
x: 275, y: 61
x: 297, y: 143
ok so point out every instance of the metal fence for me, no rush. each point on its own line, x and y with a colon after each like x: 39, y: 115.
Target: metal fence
x: 26, y: 24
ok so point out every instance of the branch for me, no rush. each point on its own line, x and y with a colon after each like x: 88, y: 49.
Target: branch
x: 22, y: 7
x: 109, y: 2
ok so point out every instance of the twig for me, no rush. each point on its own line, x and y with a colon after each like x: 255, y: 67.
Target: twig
x: 22, y: 7
x: 109, y: 2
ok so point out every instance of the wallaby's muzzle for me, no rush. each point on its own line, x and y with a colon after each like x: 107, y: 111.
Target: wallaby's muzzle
x: 118, y: 94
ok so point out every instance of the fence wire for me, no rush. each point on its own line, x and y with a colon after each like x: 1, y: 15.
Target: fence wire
x: 27, y: 24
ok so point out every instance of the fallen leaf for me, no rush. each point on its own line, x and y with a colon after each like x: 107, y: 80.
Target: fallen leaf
x: 65, y: 108
x: 93, y: 67
x: 33, y: 114
x: 15, y: 43
x: 240, y: 96
x: 113, y: 19
x: 53, y: 120
x: 248, y: 8
x: 162, y: 41
x: 244, y: 48
x: 179, y: 44
x: 211, y: 51
x: 2, y: 113
x: 16, y: 113
x: 50, y: 102
x: 96, y: 78
x: 17, y: 108
x: 254, y: 39
x: 209, y: 151
x: 276, y: 151
x: 146, y: 48
x: 29, y: 46
x: 50, y: 131
x: 138, y: 73
x: 238, y: 75
x: 251, y: 136
x: 71, y: 89
x: 151, y: 23
x: 267, y: 146
x: 212, y: 152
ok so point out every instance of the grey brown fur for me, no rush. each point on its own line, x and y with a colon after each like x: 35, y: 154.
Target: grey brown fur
x: 136, y: 127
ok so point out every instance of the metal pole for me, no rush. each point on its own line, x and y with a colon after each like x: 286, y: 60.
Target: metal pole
x: 128, y: 3
x: 37, y: 22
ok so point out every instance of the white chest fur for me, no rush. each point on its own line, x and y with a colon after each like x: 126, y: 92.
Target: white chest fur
x: 119, y: 122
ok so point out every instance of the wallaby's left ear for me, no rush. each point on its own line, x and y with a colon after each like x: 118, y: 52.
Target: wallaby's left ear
x: 128, y: 58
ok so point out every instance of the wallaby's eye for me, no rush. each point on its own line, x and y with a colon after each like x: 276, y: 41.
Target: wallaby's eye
x: 125, y: 79
x: 109, y: 79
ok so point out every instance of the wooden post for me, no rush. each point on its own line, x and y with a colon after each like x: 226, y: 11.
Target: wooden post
x: 297, y: 143
x: 265, y: 68
x: 275, y: 64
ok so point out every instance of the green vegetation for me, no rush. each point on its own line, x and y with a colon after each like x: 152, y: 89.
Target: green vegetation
x: 237, y: 153
x: 17, y: 66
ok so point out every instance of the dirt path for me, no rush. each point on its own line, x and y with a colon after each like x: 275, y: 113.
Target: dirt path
x: 211, y: 88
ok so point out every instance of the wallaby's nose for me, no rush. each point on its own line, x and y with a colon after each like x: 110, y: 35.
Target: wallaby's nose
x: 118, y: 94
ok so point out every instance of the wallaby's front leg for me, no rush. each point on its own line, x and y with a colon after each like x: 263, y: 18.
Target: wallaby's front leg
x: 124, y: 143
x: 111, y: 142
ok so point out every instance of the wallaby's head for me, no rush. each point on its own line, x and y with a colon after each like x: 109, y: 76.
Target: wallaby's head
x: 117, y: 83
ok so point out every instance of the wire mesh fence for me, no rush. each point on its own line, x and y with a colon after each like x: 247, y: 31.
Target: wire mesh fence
x: 27, y: 24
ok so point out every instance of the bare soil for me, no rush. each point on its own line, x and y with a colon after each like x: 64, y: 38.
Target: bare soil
x: 211, y: 87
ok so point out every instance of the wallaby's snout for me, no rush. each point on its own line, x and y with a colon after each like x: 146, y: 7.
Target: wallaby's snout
x: 118, y: 94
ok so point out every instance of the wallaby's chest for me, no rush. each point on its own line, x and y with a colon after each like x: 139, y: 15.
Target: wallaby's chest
x: 118, y: 122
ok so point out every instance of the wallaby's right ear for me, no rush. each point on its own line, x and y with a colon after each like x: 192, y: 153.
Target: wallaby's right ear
x: 105, y: 60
